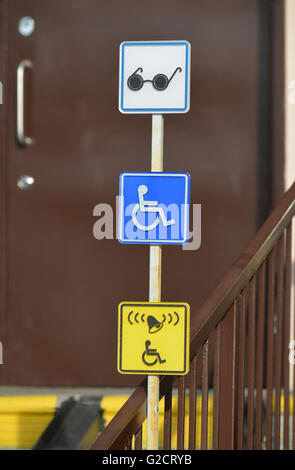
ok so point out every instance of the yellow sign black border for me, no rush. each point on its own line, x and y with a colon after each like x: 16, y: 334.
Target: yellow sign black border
x: 186, y: 339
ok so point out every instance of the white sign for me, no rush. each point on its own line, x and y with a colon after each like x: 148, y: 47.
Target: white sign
x: 154, y: 77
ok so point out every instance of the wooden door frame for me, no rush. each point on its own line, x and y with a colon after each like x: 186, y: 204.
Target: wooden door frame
x: 3, y: 179
x: 271, y: 98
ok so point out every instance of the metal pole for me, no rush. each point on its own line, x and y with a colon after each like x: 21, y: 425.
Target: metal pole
x: 155, y: 290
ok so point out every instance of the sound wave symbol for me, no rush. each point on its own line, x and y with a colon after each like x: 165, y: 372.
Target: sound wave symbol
x: 136, y: 320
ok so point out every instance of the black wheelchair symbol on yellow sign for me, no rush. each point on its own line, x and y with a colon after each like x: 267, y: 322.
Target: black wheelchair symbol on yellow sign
x: 153, y: 338
x: 148, y: 353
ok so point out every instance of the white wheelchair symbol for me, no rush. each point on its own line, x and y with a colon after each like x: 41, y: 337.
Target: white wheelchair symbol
x: 149, y: 206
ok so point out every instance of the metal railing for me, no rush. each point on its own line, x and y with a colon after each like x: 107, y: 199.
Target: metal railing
x: 243, y: 329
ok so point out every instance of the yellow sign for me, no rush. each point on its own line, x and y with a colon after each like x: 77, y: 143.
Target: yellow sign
x: 153, y: 338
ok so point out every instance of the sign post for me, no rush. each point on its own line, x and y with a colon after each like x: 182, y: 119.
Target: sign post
x: 154, y: 79
x: 155, y: 289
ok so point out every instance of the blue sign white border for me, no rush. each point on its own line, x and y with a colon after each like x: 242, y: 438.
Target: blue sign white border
x: 185, y: 109
x: 182, y: 241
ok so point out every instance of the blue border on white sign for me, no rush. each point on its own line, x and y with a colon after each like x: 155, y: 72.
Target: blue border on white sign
x: 121, y: 219
x: 156, y: 43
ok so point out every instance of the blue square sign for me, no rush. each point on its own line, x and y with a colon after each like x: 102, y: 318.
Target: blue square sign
x: 154, y: 208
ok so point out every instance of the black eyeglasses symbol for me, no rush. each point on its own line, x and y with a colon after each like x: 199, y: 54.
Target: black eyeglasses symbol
x: 160, y: 81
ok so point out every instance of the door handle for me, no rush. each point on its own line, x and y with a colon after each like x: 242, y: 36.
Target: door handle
x: 20, y: 111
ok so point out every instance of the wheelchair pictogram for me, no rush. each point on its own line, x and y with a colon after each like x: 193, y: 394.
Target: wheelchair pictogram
x: 151, y: 353
x: 150, y: 207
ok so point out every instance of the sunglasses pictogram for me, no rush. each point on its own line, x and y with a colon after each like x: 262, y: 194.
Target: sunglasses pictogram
x: 160, y: 81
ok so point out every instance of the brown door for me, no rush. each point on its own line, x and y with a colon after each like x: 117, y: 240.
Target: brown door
x: 61, y: 285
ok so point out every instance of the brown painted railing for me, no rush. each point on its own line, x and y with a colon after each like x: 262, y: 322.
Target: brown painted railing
x: 244, y: 329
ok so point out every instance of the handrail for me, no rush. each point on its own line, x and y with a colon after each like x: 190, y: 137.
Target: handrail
x: 242, y: 270
x: 131, y: 416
